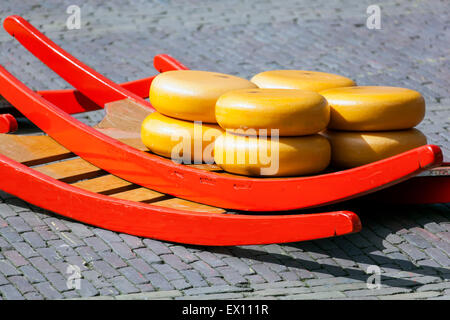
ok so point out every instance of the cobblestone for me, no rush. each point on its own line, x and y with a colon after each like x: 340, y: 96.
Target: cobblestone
x: 411, y: 245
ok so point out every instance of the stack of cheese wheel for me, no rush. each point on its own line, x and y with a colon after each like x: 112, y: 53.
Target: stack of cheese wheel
x: 272, y: 132
x: 184, y: 127
x: 372, y: 123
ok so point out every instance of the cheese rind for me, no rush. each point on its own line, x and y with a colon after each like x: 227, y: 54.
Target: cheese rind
x: 272, y: 157
x: 182, y: 141
x: 353, y: 149
x: 300, y: 79
x: 291, y: 112
x: 374, y: 108
x: 192, y: 94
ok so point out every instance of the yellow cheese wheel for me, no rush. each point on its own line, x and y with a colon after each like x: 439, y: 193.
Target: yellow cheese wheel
x: 291, y: 112
x: 374, y: 108
x: 191, y: 94
x: 182, y: 141
x: 300, y: 79
x: 284, y: 156
x: 353, y: 149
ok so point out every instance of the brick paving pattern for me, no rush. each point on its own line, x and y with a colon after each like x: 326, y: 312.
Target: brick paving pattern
x: 410, y: 245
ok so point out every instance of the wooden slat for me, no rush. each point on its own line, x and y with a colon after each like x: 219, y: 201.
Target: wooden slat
x: 181, y: 204
x: 140, y: 195
x: 32, y: 150
x: 119, y: 188
x: 70, y: 170
x: 124, y: 115
x: 107, y: 184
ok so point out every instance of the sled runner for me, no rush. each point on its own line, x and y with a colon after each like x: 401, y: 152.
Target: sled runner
x: 44, y: 173
x: 114, y: 147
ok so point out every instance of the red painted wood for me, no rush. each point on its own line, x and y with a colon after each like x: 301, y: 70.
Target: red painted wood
x: 73, y: 101
x: 92, y: 84
x: 164, y: 62
x: 226, y: 191
x: 7, y: 123
x: 168, y: 224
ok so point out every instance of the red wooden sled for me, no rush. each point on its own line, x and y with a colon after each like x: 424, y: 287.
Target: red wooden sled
x: 76, y: 189
x: 148, y: 170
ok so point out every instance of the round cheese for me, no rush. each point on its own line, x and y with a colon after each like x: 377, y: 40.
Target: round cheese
x: 374, y: 108
x: 300, y: 79
x: 353, y: 149
x: 288, y: 112
x: 182, y: 141
x: 191, y: 94
x: 272, y: 156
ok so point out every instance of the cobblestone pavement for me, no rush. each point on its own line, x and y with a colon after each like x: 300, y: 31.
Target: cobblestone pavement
x: 410, y: 245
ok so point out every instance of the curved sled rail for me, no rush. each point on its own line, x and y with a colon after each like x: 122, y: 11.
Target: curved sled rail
x: 226, y: 191
x: 98, y: 88
x: 168, y: 224
x: 73, y: 101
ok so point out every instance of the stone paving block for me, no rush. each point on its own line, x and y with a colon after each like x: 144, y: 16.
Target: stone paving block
x: 132, y: 275
x: 25, y: 249
x: 48, y: 291
x: 34, y: 239
x: 210, y: 259
x: 159, y: 282
x: 33, y: 296
x: 148, y: 255
x: 97, y: 244
x: 412, y: 251
x: 151, y: 295
x: 215, y: 290
x: 10, y: 235
x: 56, y: 224
x: 132, y: 241
x: 157, y: 247
x: 375, y: 292
x: 205, y: 269
x: 87, y: 289
x: 80, y: 230
x: 434, y: 286
x: 194, y: 278
x: 15, y: 257
x: 7, y: 269
x: 18, y: 224
x: 21, y: 283
x: 104, y: 269
x: 413, y: 295
x: 45, y: 233
x: 50, y: 254
x: 71, y: 239
x: 87, y: 253
x: 315, y: 296
x: 31, y: 274
x: 140, y: 265
x: 123, y: 285
x: 175, y: 262
x: 113, y: 259
x: 107, y: 236
x: 122, y: 250
x: 8, y: 292
x: 438, y: 256
x: 6, y: 211
x: 184, y: 254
